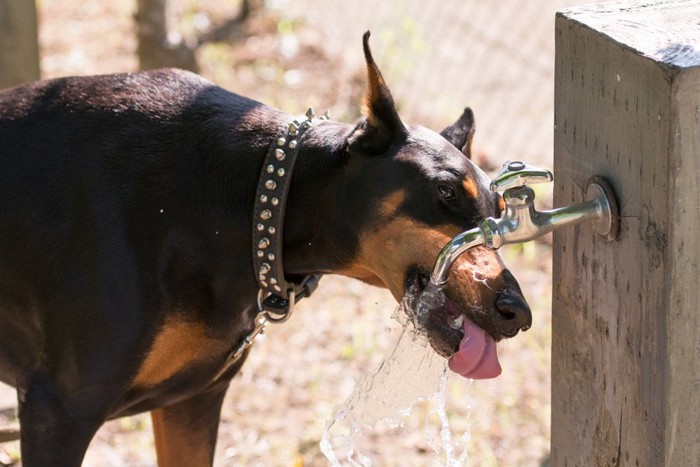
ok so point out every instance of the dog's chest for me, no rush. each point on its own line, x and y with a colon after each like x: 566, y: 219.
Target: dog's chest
x: 178, y: 346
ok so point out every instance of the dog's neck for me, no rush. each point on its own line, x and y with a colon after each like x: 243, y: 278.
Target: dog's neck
x: 317, y: 190
x: 317, y: 238
x: 269, y: 212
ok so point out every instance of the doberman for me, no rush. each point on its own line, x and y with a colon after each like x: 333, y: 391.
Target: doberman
x: 127, y: 273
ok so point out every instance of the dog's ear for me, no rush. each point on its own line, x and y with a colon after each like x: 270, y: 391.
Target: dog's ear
x: 381, y: 123
x: 461, y: 132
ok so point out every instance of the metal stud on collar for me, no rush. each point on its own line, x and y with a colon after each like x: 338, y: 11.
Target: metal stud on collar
x: 269, y: 208
x: 268, y: 220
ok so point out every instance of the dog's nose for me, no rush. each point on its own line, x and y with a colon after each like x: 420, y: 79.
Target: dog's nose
x: 513, y: 311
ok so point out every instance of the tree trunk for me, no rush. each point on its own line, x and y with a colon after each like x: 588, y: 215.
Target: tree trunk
x: 155, y: 48
x: 19, y: 43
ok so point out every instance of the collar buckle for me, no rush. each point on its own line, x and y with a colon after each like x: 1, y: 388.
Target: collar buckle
x: 278, y: 309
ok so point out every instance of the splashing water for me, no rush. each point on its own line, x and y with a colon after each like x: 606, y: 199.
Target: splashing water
x: 431, y: 298
x: 411, y: 372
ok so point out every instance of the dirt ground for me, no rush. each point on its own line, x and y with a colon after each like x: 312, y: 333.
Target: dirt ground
x: 437, y: 56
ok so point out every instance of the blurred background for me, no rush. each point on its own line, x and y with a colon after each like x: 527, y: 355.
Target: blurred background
x: 437, y: 56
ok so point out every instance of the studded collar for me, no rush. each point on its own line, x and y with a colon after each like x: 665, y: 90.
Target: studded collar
x: 277, y: 295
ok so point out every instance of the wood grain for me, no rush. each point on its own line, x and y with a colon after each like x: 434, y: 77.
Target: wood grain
x: 667, y: 31
x: 626, y: 325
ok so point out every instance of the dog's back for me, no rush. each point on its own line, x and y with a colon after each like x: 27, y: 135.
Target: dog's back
x: 96, y: 175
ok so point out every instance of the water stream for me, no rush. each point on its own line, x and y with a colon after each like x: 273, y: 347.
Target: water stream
x: 431, y: 298
x: 411, y: 372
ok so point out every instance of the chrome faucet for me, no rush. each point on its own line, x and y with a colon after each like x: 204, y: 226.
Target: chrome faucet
x: 521, y: 222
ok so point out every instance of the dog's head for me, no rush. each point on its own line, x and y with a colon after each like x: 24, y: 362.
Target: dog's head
x: 411, y: 190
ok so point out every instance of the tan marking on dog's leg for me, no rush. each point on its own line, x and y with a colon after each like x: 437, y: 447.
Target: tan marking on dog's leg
x: 185, y: 432
x: 178, y: 344
x: 470, y: 187
x: 175, y: 447
x: 160, y: 438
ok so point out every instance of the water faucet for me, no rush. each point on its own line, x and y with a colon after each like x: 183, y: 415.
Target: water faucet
x: 520, y: 220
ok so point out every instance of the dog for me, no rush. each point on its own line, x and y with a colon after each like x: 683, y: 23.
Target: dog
x: 141, y: 244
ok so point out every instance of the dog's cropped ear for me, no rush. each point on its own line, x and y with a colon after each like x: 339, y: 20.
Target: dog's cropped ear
x: 381, y: 123
x: 461, y: 132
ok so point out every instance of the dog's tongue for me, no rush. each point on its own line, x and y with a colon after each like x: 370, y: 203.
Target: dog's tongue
x: 477, y: 357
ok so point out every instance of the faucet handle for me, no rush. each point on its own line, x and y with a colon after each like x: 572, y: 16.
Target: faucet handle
x: 517, y: 174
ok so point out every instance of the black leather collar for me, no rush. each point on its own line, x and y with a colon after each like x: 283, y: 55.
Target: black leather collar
x: 277, y: 295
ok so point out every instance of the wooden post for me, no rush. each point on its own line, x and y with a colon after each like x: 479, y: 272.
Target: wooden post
x: 626, y: 315
x: 19, y: 42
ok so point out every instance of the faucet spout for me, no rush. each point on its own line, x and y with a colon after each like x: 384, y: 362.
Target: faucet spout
x: 453, y: 250
x: 521, y: 222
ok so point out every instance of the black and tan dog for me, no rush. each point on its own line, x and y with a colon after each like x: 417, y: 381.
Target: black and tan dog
x: 126, y: 266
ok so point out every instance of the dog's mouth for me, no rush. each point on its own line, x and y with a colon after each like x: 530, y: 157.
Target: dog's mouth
x: 470, y: 349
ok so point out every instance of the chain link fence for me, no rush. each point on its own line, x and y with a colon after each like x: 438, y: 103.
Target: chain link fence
x: 441, y: 55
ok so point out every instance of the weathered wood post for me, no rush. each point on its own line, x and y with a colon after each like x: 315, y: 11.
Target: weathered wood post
x: 626, y: 315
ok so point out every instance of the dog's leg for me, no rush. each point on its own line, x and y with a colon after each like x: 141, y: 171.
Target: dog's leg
x: 185, y: 432
x: 51, y: 432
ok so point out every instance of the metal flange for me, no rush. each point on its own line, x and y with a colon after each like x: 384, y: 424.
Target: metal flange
x: 608, y: 222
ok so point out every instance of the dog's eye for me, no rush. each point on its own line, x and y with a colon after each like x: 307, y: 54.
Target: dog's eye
x: 447, y: 193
